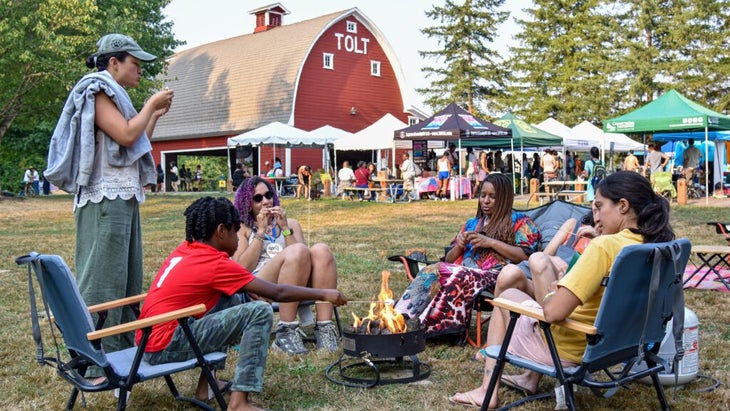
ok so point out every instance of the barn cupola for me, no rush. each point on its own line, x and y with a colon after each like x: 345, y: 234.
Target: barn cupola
x: 268, y: 17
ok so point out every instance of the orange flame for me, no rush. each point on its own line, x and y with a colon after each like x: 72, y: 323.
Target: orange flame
x: 383, y: 311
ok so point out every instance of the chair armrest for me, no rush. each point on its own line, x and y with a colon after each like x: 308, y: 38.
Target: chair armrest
x: 147, y: 322
x: 538, y: 315
x: 117, y: 303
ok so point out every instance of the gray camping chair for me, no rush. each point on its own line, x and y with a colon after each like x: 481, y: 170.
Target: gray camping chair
x: 643, y: 292
x: 83, y: 347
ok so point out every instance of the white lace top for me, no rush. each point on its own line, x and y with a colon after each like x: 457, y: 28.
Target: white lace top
x: 268, y: 250
x: 108, y: 181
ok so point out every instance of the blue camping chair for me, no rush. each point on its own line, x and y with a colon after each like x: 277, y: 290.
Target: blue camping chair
x: 643, y: 291
x: 83, y: 346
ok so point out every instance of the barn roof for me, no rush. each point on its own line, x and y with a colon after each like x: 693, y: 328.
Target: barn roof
x: 237, y: 84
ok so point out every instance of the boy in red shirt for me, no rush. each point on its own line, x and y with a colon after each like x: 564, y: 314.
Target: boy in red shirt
x: 199, y: 271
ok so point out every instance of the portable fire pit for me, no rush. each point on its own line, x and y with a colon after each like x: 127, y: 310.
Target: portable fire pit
x: 374, y: 348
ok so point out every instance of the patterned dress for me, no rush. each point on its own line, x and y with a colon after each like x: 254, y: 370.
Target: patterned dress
x: 442, y: 294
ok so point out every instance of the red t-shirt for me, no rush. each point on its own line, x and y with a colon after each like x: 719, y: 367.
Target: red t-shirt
x: 362, y: 176
x: 194, y: 273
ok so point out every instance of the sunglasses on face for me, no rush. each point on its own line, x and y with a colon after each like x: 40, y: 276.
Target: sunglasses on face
x: 259, y: 197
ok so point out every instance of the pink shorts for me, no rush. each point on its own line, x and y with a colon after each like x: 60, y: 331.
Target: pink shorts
x: 527, y: 341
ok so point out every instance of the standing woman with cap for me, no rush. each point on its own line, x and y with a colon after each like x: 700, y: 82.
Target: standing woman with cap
x: 101, y: 151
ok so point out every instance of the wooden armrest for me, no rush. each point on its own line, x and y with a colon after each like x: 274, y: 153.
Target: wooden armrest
x: 147, y: 322
x: 117, y: 303
x: 538, y: 315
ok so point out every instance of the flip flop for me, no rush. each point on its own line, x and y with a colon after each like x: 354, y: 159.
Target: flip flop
x: 470, y: 404
x: 509, y: 381
x: 480, y: 356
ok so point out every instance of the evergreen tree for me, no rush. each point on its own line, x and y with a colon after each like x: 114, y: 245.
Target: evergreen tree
x: 563, y: 63
x: 471, y: 73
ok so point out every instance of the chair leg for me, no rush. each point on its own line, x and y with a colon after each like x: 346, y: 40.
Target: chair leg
x: 72, y: 398
x: 660, y: 392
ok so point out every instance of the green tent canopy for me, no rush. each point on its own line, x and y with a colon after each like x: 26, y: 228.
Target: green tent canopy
x: 523, y: 135
x: 672, y: 111
x: 527, y: 135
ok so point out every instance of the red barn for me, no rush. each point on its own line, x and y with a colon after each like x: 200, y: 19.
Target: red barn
x: 337, y: 70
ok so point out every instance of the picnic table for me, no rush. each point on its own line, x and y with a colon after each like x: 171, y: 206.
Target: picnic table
x: 568, y: 190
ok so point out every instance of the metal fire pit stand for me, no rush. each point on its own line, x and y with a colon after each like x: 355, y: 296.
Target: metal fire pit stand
x: 419, y: 371
x: 363, y: 352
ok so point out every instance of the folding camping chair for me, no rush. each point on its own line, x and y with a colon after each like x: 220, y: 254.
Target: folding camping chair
x: 123, y: 369
x: 643, y: 291
x: 722, y: 228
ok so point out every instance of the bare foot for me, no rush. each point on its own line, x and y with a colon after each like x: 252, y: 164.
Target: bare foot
x: 202, y: 393
x: 239, y: 402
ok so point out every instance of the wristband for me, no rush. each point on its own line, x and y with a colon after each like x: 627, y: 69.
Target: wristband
x: 259, y: 237
x: 548, y: 295
x: 286, y: 233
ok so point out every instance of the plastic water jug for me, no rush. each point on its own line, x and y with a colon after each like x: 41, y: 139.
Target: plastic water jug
x: 689, y: 365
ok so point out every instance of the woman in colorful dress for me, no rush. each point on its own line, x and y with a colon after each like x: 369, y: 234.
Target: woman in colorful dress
x: 442, y: 294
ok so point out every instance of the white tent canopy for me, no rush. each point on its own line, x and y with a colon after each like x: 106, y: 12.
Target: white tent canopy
x: 376, y: 136
x: 330, y: 134
x: 553, y: 126
x: 277, y: 133
x: 621, y: 142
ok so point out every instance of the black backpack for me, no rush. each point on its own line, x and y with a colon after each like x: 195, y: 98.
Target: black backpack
x: 598, y: 173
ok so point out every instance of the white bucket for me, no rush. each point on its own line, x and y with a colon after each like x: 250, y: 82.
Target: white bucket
x: 689, y: 364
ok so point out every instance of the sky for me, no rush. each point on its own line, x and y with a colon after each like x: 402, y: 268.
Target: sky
x: 199, y: 22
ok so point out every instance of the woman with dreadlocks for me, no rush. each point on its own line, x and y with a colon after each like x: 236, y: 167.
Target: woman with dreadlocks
x: 200, y: 271
x: 442, y: 294
x: 272, y: 247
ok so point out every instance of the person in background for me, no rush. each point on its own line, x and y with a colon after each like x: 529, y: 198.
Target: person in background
x: 239, y: 176
x: 160, y: 178
x: 453, y: 157
x: 46, y: 184
x: 569, y: 165
x: 631, y: 163
x: 499, y: 162
x: 186, y: 179
x: 30, y: 180
x: 200, y: 271
x: 272, y: 247
x: 578, y: 165
x: 548, y: 165
x: 278, y: 170
x: 304, y: 176
x: 408, y: 173
x: 588, y: 172
x: 655, y: 161
x: 444, y: 165
x: 536, y: 169
x: 345, y: 178
x: 691, y: 160
x: 174, y: 177
x: 362, y: 180
x: 199, y: 178
x: 101, y: 151
x: 628, y: 212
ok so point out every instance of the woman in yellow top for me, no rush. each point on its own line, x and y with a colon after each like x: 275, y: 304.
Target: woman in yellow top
x: 629, y: 212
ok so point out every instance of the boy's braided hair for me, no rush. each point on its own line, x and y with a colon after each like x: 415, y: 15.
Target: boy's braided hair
x: 205, y: 214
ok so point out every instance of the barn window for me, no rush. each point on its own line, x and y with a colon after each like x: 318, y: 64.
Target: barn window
x: 374, y: 68
x: 351, y: 27
x: 328, y: 61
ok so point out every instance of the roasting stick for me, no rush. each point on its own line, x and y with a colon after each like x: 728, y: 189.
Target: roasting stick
x: 388, y: 301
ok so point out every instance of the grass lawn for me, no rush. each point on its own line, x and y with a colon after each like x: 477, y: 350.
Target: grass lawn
x: 361, y: 235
